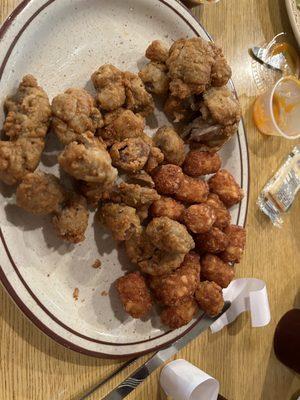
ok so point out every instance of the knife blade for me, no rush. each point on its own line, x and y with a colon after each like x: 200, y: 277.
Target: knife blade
x: 159, y: 358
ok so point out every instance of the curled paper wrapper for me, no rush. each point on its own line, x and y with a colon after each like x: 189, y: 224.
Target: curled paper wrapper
x: 247, y: 294
x: 183, y: 381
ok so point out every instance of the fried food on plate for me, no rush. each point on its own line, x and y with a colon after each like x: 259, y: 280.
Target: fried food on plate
x: 138, y: 247
x: 224, y: 185
x: 94, y: 191
x: 134, y: 294
x: 74, y: 112
x: 223, y: 216
x: 156, y: 157
x: 216, y: 270
x: 199, y: 218
x: 138, y: 99
x: 220, y: 70
x: 199, y: 163
x: 167, y: 207
x: 191, y: 190
x: 155, y: 78
x: 122, y: 220
x: 87, y: 160
x: 141, y: 178
x: 180, y: 315
x: 213, y: 241
x: 157, y: 51
x: 237, y: 241
x: 171, y: 144
x: 130, y: 155
x: 178, y: 110
x: 40, y: 193
x: 71, y: 220
x: 210, y: 298
x: 167, y: 179
x: 161, y: 262
x: 135, y: 195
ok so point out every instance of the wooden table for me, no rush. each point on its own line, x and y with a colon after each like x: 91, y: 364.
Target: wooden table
x: 34, y: 367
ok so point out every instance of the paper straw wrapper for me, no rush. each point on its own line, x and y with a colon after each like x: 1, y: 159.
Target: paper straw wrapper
x: 183, y: 381
x: 247, y: 294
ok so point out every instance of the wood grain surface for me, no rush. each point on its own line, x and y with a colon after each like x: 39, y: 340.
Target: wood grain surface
x: 34, y: 367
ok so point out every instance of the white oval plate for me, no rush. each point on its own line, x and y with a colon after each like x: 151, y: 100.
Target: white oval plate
x: 294, y: 16
x: 62, y: 42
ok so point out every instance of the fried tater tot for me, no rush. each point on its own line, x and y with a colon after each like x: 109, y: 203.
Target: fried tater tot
x: 167, y: 179
x: 169, y: 235
x: 157, y: 51
x: 210, y: 298
x: 213, y: 241
x: 199, y: 163
x: 130, y: 155
x: 199, y: 218
x: 177, y: 316
x: 134, y: 294
x: 155, y: 77
x: 223, y: 216
x: 237, y: 241
x: 224, y: 185
x: 171, y: 144
x: 167, y: 207
x: 192, y: 190
x: 216, y: 270
x: 156, y: 157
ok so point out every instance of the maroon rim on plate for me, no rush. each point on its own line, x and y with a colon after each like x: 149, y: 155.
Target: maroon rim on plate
x: 19, y: 302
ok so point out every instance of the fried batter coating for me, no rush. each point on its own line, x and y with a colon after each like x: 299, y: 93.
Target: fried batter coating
x: 71, y: 221
x: 210, y: 298
x: 223, y: 216
x: 169, y: 235
x: 199, y: 218
x: 161, y: 263
x: 156, y: 157
x: 155, y: 78
x: 192, y: 190
x: 167, y: 207
x: 135, y: 195
x: 216, y: 270
x: 177, y: 316
x: 120, y: 219
x: 130, y: 155
x: 171, y: 144
x: 172, y: 289
x: 178, y: 110
x: 224, y: 185
x: 88, y: 160
x: 199, y: 163
x: 213, y: 241
x: 157, y: 51
x: 134, y: 294
x: 141, y: 178
x: 138, y: 247
x: 40, y: 193
x: 109, y: 83
x: 220, y: 70
x: 138, y: 99
x: 237, y: 241
x: 94, y: 191
x: 167, y: 179
x: 222, y: 105
x: 74, y: 112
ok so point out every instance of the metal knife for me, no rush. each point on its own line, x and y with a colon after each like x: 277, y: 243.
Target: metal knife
x: 159, y: 358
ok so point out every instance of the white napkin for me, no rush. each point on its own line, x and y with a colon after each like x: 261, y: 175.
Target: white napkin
x: 247, y: 294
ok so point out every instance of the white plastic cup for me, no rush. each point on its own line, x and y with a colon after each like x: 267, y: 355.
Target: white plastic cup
x: 183, y: 381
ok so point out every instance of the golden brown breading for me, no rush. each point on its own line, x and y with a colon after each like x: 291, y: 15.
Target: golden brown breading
x: 74, y: 112
x: 167, y: 179
x: 138, y: 99
x: 171, y: 144
x: 155, y: 78
x: 223, y: 216
x: 237, y: 241
x: 222, y: 105
x: 199, y: 163
x: 130, y: 155
x: 141, y: 178
x: 134, y: 294
x: 71, y: 221
x: 216, y: 270
x: 122, y: 220
x: 178, y: 110
x: 177, y: 316
x: 40, y: 193
x: 109, y: 83
x: 224, y: 185
x: 167, y: 207
x: 199, y: 218
x: 169, y: 235
x: 213, y: 241
x: 138, y: 247
x: 210, y: 298
x: 220, y: 70
x: 172, y: 289
x: 192, y: 190
x: 87, y: 160
x: 94, y: 191
x: 156, y: 157
x: 135, y: 195
x: 161, y: 262
x: 157, y: 51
